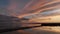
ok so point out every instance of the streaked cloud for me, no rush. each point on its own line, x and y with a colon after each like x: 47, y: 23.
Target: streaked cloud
x: 26, y: 7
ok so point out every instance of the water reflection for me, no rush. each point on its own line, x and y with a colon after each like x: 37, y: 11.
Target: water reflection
x: 38, y: 30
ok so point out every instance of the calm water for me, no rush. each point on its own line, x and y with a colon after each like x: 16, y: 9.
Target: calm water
x: 38, y: 30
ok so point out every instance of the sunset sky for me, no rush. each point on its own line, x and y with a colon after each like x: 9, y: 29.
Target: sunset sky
x: 37, y: 11
x: 12, y: 6
x: 20, y: 7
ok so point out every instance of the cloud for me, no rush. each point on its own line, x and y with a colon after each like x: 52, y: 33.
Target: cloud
x: 25, y: 8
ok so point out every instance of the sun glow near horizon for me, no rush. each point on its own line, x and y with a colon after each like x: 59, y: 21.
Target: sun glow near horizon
x: 51, y: 19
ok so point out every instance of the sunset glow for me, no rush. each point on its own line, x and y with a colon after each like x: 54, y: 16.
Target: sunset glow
x: 29, y: 16
x: 48, y: 19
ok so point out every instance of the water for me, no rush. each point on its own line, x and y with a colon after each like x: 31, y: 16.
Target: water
x: 38, y: 30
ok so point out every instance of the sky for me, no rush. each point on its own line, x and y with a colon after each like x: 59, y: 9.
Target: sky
x: 3, y: 3
x: 22, y: 7
x: 17, y: 7
x: 12, y: 6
